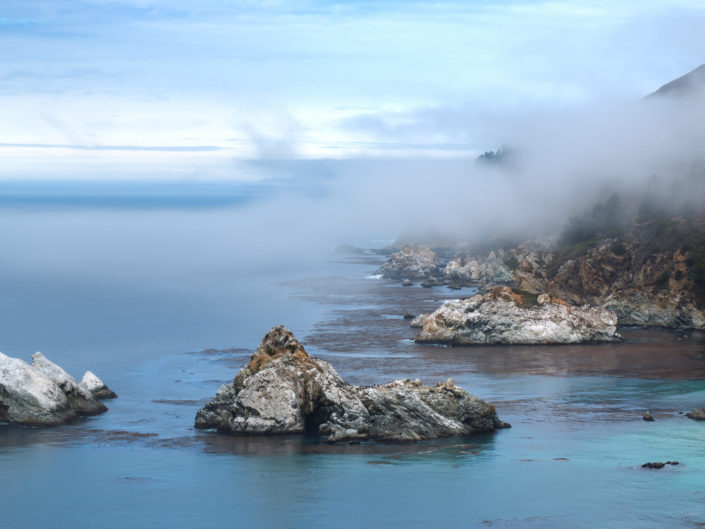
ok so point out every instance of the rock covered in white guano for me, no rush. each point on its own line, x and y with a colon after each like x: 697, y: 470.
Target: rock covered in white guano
x: 284, y: 390
x: 412, y: 262
x: 96, y: 386
x: 81, y: 400
x: 502, y: 316
x: 29, y: 397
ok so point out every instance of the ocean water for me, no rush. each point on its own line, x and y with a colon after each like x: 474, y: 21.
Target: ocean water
x: 166, y: 304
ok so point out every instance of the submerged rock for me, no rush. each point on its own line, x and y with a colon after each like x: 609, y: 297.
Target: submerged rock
x: 412, y: 262
x: 80, y: 399
x: 29, y: 397
x: 658, y: 464
x: 42, y: 394
x: 96, y: 386
x: 503, y: 316
x: 284, y: 390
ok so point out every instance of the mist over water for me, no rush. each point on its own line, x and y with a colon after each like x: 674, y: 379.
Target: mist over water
x: 137, y: 295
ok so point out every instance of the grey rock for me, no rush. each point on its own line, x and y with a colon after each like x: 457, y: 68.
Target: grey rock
x: 80, y: 399
x: 284, y: 390
x: 96, y: 386
x: 30, y: 398
x: 648, y: 417
x: 501, y: 317
x: 412, y: 262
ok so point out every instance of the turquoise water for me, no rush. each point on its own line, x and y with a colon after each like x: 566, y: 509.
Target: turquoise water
x: 140, y: 297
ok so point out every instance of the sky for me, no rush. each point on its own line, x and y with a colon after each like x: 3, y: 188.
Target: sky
x: 188, y: 89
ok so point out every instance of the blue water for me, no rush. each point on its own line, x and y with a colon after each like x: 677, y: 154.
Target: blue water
x: 166, y: 305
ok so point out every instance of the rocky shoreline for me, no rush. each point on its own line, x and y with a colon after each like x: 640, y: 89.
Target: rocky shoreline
x: 645, y: 289
x: 43, y: 394
x: 283, y: 390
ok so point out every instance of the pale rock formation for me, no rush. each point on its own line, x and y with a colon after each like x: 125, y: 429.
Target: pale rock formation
x: 96, y: 386
x: 29, y: 397
x: 503, y: 316
x: 80, y: 399
x: 412, y: 262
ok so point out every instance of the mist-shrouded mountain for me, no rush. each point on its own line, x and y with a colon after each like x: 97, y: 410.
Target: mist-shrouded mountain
x: 688, y: 84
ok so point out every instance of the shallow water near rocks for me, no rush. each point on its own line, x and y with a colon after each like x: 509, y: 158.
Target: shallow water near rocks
x: 166, y: 332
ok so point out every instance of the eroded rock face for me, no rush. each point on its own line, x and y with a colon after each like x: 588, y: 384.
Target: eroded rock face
x: 284, y: 390
x: 96, y: 386
x: 412, y: 262
x: 28, y: 397
x: 476, y: 271
x: 80, y: 399
x: 503, y: 317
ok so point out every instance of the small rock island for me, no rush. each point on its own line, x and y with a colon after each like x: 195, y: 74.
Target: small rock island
x: 504, y: 316
x: 283, y: 390
x: 43, y: 394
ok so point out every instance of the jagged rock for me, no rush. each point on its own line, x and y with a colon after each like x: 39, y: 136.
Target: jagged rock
x: 633, y: 276
x: 30, y: 398
x: 502, y: 316
x: 697, y: 414
x: 474, y: 271
x: 80, y: 399
x: 664, y: 308
x: 96, y: 386
x: 417, y: 322
x: 412, y: 262
x: 284, y: 390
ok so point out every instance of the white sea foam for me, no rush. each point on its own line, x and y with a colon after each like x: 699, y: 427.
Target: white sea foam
x: 374, y: 276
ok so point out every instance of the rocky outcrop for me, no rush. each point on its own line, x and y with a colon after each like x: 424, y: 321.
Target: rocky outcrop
x: 80, y: 399
x: 284, y: 390
x: 503, y: 316
x: 697, y: 414
x: 645, y: 285
x: 96, y: 386
x: 412, y: 262
x: 42, y: 394
x: 30, y: 398
x: 664, y: 308
x: 478, y: 271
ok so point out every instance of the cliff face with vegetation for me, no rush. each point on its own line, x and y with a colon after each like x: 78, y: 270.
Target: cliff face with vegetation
x: 643, y: 262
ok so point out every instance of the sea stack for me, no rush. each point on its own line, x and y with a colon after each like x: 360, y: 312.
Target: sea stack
x: 284, y: 390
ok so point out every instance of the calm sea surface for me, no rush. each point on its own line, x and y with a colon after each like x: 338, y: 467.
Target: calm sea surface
x: 166, y: 305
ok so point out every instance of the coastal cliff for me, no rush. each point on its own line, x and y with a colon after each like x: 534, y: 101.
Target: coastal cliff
x: 649, y: 269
